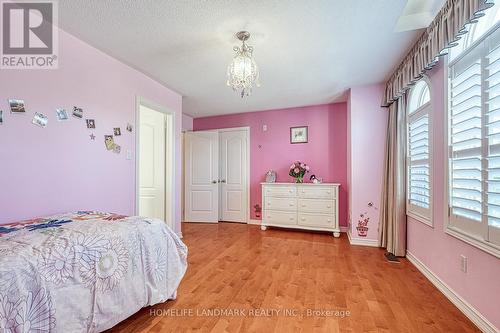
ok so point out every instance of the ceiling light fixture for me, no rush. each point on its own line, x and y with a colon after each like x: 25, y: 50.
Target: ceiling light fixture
x: 242, y: 72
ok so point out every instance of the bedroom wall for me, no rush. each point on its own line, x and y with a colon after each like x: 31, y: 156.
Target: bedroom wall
x: 187, y: 122
x: 59, y: 168
x: 441, y: 252
x: 325, y: 152
x: 367, y: 127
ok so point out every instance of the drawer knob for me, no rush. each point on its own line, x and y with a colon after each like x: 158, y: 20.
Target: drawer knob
x: 291, y: 218
x: 290, y: 191
x: 328, y: 192
x: 303, y: 219
x: 291, y: 203
x: 329, y: 206
x: 329, y: 220
x: 303, y: 205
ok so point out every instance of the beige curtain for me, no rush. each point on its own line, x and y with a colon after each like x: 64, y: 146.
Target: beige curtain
x: 392, y: 227
x: 441, y: 34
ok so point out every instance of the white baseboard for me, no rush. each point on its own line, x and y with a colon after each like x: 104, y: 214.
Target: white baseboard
x: 468, y: 310
x: 256, y: 222
x: 362, y: 241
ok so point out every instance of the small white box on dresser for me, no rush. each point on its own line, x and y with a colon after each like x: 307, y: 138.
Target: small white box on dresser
x: 301, y: 206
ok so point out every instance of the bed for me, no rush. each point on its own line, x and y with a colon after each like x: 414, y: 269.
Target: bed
x: 85, y: 271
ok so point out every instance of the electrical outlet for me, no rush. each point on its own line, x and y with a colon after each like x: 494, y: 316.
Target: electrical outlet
x: 463, y: 263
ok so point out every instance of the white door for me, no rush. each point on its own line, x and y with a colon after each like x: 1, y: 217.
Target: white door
x: 151, y: 163
x: 233, y: 175
x: 202, y: 175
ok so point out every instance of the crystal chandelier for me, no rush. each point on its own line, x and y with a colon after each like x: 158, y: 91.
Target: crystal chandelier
x: 242, y: 72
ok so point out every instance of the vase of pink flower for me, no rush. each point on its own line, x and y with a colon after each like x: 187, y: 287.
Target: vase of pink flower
x: 298, y: 170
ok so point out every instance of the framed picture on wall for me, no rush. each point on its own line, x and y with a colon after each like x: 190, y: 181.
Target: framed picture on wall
x: 298, y: 134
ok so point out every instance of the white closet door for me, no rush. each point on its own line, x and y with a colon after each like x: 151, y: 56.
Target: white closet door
x: 152, y: 163
x: 233, y: 175
x: 202, y: 174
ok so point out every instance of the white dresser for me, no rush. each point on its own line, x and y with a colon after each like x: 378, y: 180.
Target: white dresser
x: 301, y: 206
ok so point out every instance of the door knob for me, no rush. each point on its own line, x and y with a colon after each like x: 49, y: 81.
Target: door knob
x: 214, y: 182
x: 223, y: 181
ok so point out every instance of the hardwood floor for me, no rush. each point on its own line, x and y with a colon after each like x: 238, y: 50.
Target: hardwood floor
x: 241, y: 268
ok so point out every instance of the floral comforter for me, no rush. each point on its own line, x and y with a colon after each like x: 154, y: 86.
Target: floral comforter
x: 85, y: 271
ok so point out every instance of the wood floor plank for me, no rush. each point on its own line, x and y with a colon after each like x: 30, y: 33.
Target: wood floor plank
x: 299, y: 276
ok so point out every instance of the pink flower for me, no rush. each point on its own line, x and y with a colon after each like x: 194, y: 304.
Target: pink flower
x: 296, y: 170
x: 292, y: 166
x: 307, y: 167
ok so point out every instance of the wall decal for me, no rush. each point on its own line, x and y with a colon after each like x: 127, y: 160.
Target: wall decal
x: 363, y: 221
x: 257, y: 210
x: 109, y: 142
x: 129, y: 127
x: 78, y: 112
x: 92, y: 136
x: 61, y: 114
x: 117, y: 149
x: 117, y: 131
x: 90, y: 123
x: 16, y: 106
x: 40, y: 119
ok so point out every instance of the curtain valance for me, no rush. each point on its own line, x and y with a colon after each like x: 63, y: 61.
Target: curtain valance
x: 441, y: 34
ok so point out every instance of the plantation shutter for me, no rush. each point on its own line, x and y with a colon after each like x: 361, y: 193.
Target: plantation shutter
x: 474, y: 140
x: 466, y: 142
x: 419, y: 182
x: 492, y: 137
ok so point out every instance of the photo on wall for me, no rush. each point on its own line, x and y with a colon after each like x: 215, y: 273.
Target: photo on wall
x: 90, y: 123
x: 298, y: 134
x: 78, y: 112
x: 109, y: 142
x: 61, y: 114
x: 117, y: 131
x: 16, y: 106
x: 40, y: 119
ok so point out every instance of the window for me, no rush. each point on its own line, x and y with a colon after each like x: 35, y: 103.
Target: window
x: 418, y: 157
x: 474, y: 138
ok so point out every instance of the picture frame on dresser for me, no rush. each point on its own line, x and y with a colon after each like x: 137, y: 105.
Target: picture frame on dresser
x: 301, y: 206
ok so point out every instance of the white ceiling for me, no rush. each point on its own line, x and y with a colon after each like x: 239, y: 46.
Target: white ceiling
x: 309, y: 51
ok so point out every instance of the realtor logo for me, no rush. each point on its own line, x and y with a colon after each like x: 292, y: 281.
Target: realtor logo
x: 29, y: 35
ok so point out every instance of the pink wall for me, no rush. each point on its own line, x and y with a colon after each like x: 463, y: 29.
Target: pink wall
x: 325, y: 152
x: 367, y: 127
x: 58, y: 168
x: 187, y: 122
x: 441, y: 252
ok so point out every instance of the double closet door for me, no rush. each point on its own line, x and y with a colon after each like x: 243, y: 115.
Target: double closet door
x: 216, y: 176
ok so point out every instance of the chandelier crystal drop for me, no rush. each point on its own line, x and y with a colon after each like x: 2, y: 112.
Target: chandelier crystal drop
x: 242, y: 72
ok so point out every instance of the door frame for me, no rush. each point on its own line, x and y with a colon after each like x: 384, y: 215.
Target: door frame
x: 169, y: 155
x: 247, y: 130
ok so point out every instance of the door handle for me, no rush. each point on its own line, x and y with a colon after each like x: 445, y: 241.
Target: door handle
x: 214, y: 182
x: 223, y: 181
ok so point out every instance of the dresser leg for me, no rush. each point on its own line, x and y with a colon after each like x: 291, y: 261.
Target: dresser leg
x: 263, y: 228
x: 336, y: 234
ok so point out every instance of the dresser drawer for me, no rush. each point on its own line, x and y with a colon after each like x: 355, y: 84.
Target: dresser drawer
x: 286, y: 204
x: 280, y: 191
x: 283, y: 218
x: 315, y: 220
x: 314, y: 192
x: 316, y: 206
